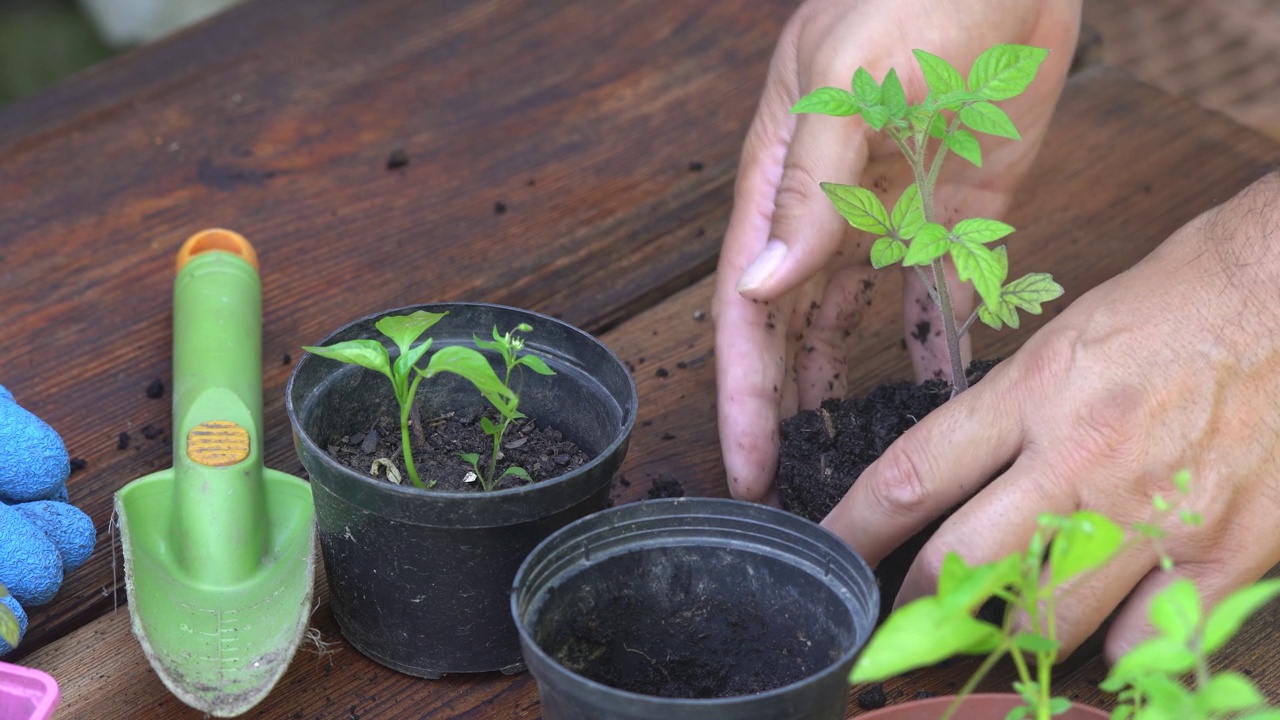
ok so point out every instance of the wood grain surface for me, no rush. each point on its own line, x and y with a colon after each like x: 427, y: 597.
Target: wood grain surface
x: 608, y: 132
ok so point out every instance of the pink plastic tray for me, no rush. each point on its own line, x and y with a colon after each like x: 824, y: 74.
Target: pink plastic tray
x: 26, y: 694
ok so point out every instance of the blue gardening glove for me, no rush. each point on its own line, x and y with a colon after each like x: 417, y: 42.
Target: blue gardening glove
x: 41, y: 536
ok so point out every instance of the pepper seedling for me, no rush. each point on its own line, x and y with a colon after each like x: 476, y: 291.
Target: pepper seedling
x: 404, y: 330
x: 507, y: 346
x: 911, y: 234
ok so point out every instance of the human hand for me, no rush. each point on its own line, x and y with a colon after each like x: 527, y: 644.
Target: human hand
x: 793, y: 276
x: 1169, y: 365
x: 41, y: 536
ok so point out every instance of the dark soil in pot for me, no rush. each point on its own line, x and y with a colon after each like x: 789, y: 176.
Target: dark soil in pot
x: 543, y: 451
x: 823, y: 451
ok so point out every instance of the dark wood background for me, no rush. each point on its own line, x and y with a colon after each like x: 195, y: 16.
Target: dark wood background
x: 575, y: 158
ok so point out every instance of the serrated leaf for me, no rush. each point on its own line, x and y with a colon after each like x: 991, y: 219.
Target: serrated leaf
x: 940, y: 75
x: 1004, y: 71
x: 865, y: 88
x: 827, y: 101
x: 876, y: 116
x: 1225, y: 620
x: 978, y: 264
x: 986, y: 118
x: 892, y: 96
x: 886, y: 251
x: 1089, y: 540
x: 1175, y: 610
x: 989, y: 318
x: 859, y: 206
x: 535, y: 364
x: 980, y: 230
x: 369, y: 354
x: 1228, y: 692
x: 963, y: 143
x: 1029, y: 291
x: 405, y: 329
x: 908, y: 213
x: 929, y: 244
x: 518, y: 472
x: 919, y: 634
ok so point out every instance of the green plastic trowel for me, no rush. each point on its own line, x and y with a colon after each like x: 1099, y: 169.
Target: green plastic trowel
x: 219, y: 557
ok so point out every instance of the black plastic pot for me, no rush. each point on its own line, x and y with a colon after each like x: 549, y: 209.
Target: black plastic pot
x: 639, y: 601
x: 419, y: 579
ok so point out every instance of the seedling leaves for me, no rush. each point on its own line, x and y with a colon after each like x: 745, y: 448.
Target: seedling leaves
x: 859, y: 206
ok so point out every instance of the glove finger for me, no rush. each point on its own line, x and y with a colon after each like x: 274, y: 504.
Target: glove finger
x: 33, y: 461
x: 70, y: 529
x: 20, y: 615
x: 30, y: 566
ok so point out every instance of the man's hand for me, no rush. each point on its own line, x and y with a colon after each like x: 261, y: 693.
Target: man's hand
x: 41, y: 536
x: 1173, y: 364
x: 793, y: 276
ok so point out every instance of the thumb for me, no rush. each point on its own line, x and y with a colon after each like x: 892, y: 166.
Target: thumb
x: 806, y: 230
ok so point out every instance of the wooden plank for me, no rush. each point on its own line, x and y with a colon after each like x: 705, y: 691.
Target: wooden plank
x: 278, y: 119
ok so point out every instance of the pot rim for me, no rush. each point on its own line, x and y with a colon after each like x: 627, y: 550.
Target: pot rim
x: 621, y: 436
x: 788, y: 522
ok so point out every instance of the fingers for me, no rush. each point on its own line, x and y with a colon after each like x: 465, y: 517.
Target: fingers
x: 930, y: 469
x: 806, y: 231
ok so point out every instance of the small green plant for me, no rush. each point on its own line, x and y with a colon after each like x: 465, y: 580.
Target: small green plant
x: 1063, y: 551
x: 508, y: 347
x: 404, y: 330
x: 910, y: 234
x: 9, y: 628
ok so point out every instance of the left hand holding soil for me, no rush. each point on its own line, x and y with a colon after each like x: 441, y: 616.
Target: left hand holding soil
x: 1170, y: 365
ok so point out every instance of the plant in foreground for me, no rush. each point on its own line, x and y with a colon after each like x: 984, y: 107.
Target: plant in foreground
x: 1062, y: 552
x: 9, y: 628
x: 910, y: 234
x: 404, y: 330
x: 508, y: 347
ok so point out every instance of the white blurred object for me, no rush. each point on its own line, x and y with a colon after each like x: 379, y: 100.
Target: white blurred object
x: 131, y: 22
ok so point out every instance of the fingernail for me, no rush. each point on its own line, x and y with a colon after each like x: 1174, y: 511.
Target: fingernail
x: 763, y: 267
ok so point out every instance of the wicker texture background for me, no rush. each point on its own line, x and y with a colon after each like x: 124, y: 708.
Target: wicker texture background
x: 1224, y: 54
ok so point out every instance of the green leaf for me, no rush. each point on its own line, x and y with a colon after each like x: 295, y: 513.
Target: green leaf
x: 980, y: 230
x: 1029, y: 291
x: 1089, y: 540
x: 986, y: 118
x: 1228, y: 692
x: 404, y: 329
x: 827, y: 101
x: 859, y: 206
x: 1018, y: 713
x: 962, y: 588
x: 1004, y: 71
x: 1156, y: 656
x: 1058, y: 705
x: 919, y: 634
x: 473, y: 366
x: 1190, y: 517
x: 938, y: 127
x: 931, y: 243
x: 1225, y: 620
x: 865, y: 89
x: 488, y: 427
x: 940, y: 75
x: 990, y: 318
x: 1182, y: 481
x: 964, y: 144
x: 405, y: 361
x: 535, y: 364
x: 472, y: 459
x: 876, y: 116
x: 908, y: 213
x: 978, y: 264
x: 369, y: 354
x: 9, y: 628
x: 886, y: 251
x: 892, y: 96
x: 1175, y: 611
x: 518, y: 472
x: 1268, y: 714
x: 1032, y: 643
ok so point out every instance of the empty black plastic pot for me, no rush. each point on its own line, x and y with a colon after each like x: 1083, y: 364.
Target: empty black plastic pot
x: 419, y: 580
x: 693, y: 608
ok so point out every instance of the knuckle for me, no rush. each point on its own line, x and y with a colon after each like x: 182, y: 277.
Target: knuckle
x: 1050, y: 359
x: 898, y: 486
x: 1108, y: 430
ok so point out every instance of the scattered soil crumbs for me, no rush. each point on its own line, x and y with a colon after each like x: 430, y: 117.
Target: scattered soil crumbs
x: 155, y: 390
x: 78, y: 464
x: 542, y: 451
x: 665, y: 487
x: 823, y: 451
x: 122, y: 441
x: 873, y: 697
x: 397, y: 159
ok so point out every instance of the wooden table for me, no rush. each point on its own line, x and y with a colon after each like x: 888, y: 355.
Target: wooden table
x: 575, y: 158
